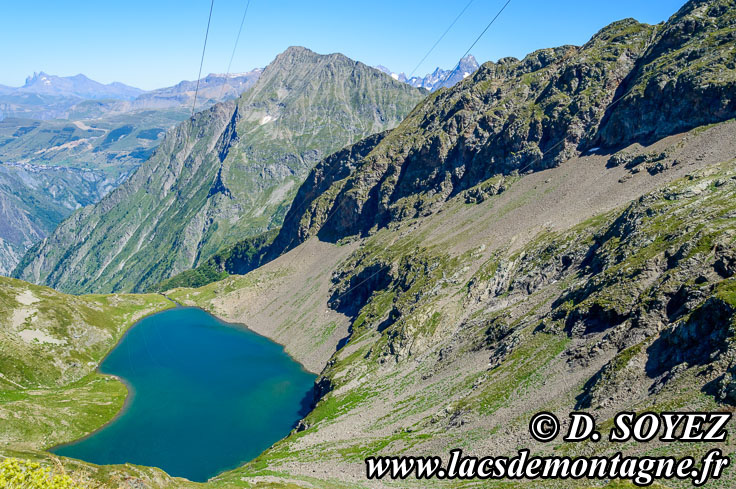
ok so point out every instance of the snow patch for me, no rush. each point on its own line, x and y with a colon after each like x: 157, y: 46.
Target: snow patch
x: 266, y: 119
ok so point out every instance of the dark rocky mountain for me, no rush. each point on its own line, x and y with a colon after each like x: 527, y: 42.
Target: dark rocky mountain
x: 684, y: 80
x: 631, y: 82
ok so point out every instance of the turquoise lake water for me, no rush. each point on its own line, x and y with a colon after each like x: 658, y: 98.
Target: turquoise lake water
x: 204, y: 396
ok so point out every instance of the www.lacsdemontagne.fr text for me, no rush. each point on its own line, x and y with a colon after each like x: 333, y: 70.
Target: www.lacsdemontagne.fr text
x: 642, y: 471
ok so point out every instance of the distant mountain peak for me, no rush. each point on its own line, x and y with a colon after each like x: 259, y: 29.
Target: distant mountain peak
x: 296, y: 61
x: 293, y: 51
x: 79, y: 86
x: 437, y: 79
x: 293, y: 55
x: 298, y: 49
x: 469, y: 62
x: 234, y: 75
x: 34, y: 78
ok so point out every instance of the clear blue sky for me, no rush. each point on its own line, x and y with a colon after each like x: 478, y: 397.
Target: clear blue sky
x: 155, y: 43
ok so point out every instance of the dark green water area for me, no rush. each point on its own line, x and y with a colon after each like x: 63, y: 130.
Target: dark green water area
x: 204, y: 396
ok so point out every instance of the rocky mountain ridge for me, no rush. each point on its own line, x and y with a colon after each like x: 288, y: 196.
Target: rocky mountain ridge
x: 46, y: 97
x: 213, y: 88
x: 439, y: 78
x: 77, y: 86
x: 518, y: 116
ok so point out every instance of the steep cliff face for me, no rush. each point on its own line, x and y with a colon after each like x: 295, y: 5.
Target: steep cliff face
x: 684, y: 80
x: 226, y: 174
x: 629, y: 82
x: 80, y: 250
x: 249, y: 253
x: 35, y: 198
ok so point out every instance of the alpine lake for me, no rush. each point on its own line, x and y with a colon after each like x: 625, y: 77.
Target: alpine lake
x: 204, y: 396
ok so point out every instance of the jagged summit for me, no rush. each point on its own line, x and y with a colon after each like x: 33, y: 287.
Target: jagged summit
x: 439, y: 78
x: 77, y: 86
x: 300, y: 54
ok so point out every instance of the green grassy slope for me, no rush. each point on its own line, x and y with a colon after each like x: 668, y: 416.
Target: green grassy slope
x: 52, y: 344
x: 50, y: 391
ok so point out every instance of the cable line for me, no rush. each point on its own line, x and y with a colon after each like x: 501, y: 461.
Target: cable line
x: 475, y: 42
x: 440, y: 39
x: 201, y: 62
x: 237, y: 39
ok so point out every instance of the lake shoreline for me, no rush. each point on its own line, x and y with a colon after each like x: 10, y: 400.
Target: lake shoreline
x: 128, y: 387
x: 197, y: 364
x: 244, y: 326
x: 126, y: 405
